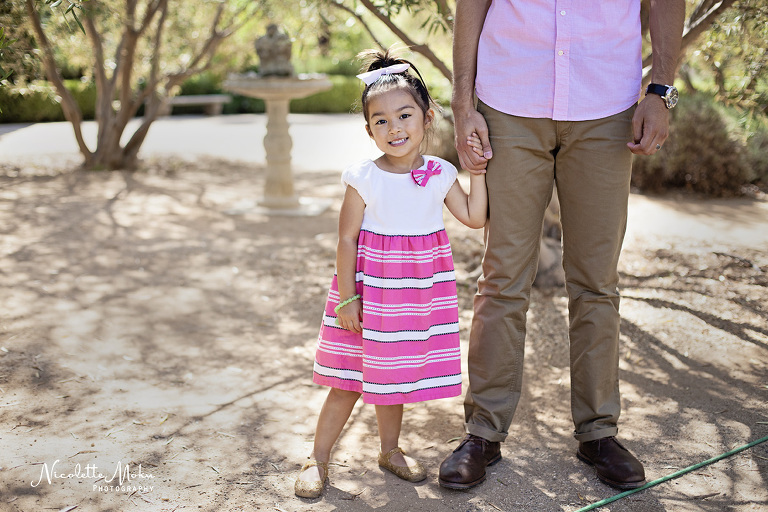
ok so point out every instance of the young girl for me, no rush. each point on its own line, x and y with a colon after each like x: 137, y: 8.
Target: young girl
x: 390, y: 331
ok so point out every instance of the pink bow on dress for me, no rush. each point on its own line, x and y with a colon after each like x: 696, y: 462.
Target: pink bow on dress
x: 421, y: 176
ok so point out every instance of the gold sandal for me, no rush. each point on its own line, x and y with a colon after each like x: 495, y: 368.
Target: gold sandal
x: 410, y: 473
x: 306, y: 489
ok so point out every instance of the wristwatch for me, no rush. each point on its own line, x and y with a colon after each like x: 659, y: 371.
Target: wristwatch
x: 667, y: 92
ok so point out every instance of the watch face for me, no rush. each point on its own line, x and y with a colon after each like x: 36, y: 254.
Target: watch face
x: 671, y: 97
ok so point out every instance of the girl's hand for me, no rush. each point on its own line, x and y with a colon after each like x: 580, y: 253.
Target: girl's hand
x: 473, y: 141
x: 350, y: 317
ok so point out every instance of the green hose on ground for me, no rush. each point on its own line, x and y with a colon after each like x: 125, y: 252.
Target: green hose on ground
x: 673, y: 475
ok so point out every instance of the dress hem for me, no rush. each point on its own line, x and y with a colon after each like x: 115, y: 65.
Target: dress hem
x: 390, y: 399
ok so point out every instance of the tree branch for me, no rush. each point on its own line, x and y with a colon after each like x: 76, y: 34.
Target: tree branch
x: 104, y: 87
x: 234, y: 25
x: 151, y: 87
x: 129, y: 104
x: 204, y: 55
x: 130, y: 14
x: 696, y: 26
x: 340, y: 5
x: 150, y: 14
x: 418, y: 48
x: 210, y: 45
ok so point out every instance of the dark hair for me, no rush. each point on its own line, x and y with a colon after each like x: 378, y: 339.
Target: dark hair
x: 414, y: 84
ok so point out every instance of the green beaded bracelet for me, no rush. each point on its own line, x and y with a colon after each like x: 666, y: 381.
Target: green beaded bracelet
x: 348, y: 301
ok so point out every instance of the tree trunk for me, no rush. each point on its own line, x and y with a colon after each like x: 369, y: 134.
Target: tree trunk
x: 68, y: 104
x: 111, y: 120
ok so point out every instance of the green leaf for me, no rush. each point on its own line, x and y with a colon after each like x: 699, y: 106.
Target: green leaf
x: 74, y: 15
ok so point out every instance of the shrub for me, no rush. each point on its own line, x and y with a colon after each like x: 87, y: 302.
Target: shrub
x: 85, y: 96
x: 756, y: 147
x: 31, y: 102
x: 244, y: 105
x: 706, y: 152
x: 202, y: 83
x: 343, y: 97
x: 38, y: 101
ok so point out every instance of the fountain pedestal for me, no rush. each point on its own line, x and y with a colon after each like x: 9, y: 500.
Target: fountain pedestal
x: 277, y: 92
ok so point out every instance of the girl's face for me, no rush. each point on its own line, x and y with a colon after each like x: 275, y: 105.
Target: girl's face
x: 396, y: 123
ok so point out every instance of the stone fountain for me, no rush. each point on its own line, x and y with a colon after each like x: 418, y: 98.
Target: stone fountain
x: 277, y: 84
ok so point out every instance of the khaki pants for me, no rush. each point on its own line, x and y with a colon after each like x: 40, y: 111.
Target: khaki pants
x: 591, y: 165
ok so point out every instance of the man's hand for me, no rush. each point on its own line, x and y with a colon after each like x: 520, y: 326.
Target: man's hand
x: 650, y: 126
x: 467, y: 124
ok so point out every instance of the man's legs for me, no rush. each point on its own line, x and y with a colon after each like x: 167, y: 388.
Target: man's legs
x: 592, y: 166
x: 520, y: 178
x: 593, y: 169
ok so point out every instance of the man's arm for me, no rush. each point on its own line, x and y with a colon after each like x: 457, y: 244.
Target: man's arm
x: 650, y: 125
x: 470, y: 17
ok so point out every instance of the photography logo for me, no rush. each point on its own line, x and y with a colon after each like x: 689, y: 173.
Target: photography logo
x: 121, y: 479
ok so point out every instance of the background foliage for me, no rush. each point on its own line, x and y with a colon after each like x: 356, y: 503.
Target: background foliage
x: 718, y: 142
x: 713, y: 149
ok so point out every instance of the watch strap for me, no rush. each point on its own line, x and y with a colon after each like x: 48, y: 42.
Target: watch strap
x: 659, y: 89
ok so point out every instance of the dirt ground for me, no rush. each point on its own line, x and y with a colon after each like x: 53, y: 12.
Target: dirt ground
x: 145, y: 328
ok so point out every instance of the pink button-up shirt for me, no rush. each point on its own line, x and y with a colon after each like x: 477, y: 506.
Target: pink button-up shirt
x: 567, y: 60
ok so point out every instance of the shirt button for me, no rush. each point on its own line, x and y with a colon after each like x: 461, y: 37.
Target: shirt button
x: 560, y: 52
x: 562, y: 13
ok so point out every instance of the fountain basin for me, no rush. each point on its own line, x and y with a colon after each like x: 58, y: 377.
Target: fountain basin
x: 277, y: 87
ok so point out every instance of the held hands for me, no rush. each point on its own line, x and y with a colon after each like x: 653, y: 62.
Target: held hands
x: 473, y: 156
x: 350, y: 317
x: 473, y: 141
x: 650, y: 126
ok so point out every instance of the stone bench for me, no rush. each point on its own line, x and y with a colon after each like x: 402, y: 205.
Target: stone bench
x: 214, y: 103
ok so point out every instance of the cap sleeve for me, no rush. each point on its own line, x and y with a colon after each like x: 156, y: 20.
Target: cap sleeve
x: 450, y: 173
x: 356, y: 176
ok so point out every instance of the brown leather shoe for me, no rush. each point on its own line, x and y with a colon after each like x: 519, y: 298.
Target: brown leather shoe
x: 614, y: 464
x: 465, y: 467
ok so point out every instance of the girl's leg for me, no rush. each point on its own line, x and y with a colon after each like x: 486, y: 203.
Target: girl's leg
x: 390, y: 419
x: 333, y: 416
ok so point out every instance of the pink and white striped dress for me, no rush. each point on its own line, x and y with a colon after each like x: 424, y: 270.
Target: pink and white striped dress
x: 409, y: 348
